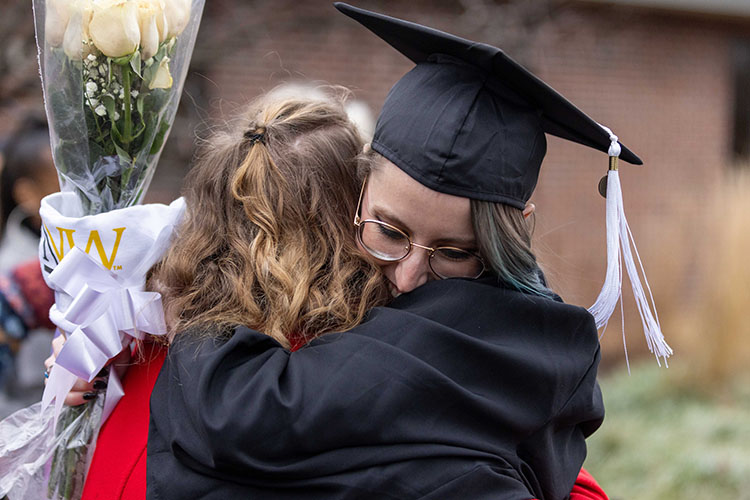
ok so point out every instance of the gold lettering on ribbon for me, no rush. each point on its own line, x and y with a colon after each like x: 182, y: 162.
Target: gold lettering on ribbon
x: 97, y: 242
x: 61, y: 251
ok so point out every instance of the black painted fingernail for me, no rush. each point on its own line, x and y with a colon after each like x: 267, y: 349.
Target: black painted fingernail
x: 103, y: 372
x: 99, y: 385
x: 88, y: 396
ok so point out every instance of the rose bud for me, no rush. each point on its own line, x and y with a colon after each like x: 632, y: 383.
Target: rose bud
x: 114, y: 27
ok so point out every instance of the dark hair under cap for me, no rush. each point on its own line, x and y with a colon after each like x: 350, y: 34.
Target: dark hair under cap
x: 468, y: 120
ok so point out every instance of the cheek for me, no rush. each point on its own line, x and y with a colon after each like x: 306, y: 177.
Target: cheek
x: 389, y: 270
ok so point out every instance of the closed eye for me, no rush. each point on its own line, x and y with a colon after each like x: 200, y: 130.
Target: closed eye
x: 453, y: 254
x: 390, y: 233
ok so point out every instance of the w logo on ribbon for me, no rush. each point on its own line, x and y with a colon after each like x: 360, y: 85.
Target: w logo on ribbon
x: 53, y: 250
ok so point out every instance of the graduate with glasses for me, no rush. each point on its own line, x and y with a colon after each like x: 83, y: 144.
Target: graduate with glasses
x: 476, y: 381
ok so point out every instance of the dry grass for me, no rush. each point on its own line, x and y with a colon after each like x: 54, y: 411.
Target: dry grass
x: 710, y: 320
x: 683, y: 432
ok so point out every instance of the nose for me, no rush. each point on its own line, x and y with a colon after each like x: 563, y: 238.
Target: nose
x: 413, y: 272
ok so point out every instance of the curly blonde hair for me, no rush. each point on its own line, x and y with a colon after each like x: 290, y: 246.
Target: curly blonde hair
x: 267, y: 240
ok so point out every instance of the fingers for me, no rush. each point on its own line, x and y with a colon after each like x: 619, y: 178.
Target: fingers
x: 83, y: 392
x: 48, y: 363
x: 57, y: 345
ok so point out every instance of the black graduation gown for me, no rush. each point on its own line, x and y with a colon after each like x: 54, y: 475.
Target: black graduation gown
x: 460, y: 389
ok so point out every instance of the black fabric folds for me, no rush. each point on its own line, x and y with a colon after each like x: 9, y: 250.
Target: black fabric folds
x: 459, y: 389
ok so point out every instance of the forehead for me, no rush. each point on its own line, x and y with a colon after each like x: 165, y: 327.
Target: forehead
x: 426, y: 214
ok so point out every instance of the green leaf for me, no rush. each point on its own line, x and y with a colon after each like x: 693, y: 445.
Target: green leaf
x: 116, y: 135
x: 108, y: 101
x: 139, y: 103
x: 159, y: 139
x: 163, y: 48
x: 135, y: 63
x: 124, y: 157
x: 150, y: 71
x: 122, y: 61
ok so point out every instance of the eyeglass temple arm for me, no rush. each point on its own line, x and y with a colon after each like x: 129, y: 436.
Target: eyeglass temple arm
x: 357, y: 219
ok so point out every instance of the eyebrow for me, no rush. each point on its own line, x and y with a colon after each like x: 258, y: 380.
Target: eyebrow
x: 382, y: 213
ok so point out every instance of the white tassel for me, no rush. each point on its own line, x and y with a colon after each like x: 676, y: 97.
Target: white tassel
x: 619, y: 241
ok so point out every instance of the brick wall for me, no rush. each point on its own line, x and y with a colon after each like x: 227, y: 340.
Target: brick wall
x: 661, y: 81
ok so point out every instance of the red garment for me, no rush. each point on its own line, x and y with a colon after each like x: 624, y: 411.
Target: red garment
x: 586, y: 488
x: 118, y: 469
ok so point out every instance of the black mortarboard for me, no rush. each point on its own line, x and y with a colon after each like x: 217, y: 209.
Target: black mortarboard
x: 468, y: 120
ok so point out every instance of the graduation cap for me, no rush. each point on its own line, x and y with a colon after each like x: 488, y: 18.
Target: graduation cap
x: 469, y: 121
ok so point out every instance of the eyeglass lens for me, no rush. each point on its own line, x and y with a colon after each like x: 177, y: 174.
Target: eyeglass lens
x: 386, y: 242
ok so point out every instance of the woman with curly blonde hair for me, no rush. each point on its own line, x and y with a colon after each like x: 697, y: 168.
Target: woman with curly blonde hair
x: 265, y: 243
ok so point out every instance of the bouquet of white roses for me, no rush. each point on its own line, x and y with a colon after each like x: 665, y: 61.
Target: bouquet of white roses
x: 112, y: 74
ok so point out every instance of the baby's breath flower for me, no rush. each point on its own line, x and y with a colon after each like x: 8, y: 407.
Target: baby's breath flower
x: 133, y: 93
x: 117, y: 115
x: 100, y: 110
x: 91, y: 88
x: 93, y: 102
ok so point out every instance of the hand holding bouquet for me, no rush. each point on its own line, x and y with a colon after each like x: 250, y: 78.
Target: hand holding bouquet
x: 112, y: 74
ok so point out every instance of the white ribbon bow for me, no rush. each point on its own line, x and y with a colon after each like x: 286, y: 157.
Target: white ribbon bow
x: 104, y: 316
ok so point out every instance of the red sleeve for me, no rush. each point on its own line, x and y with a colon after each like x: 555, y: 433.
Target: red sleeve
x: 586, y: 488
x: 118, y: 468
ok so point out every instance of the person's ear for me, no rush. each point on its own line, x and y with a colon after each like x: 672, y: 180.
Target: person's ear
x: 528, y: 210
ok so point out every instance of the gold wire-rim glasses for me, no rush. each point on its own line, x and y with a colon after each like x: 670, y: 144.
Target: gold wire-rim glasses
x: 359, y: 223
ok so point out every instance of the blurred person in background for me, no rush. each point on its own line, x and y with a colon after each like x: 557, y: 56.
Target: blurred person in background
x: 27, y: 175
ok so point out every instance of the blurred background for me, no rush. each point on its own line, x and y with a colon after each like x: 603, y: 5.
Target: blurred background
x: 670, y: 77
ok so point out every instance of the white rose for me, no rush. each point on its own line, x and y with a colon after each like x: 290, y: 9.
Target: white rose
x: 161, y: 19
x: 148, y: 11
x: 76, y: 41
x: 162, y: 79
x: 114, y: 27
x: 178, y: 15
x: 56, y: 17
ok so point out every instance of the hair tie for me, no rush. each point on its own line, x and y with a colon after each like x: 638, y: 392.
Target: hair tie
x: 256, y: 135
